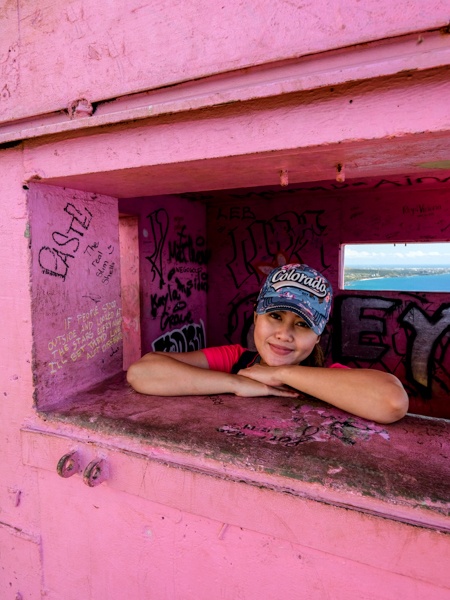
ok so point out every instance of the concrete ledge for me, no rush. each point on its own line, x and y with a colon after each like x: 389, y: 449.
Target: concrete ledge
x: 306, y: 448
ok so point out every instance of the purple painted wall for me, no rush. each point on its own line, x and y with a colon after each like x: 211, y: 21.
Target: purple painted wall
x: 173, y: 272
x: 75, y: 288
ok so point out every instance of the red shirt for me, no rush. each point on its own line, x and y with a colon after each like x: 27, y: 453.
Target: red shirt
x: 222, y: 358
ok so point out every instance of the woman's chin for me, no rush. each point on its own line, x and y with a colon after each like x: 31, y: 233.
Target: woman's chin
x: 278, y: 361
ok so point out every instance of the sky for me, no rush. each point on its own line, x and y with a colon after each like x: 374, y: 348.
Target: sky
x: 411, y: 255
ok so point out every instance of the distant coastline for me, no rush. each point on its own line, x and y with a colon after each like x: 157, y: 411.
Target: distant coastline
x: 362, y: 273
x: 399, y: 278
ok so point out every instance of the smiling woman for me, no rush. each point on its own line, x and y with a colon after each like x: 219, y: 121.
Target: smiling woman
x: 291, y: 313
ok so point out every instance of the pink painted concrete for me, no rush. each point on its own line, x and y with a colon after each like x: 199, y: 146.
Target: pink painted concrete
x: 112, y: 49
x: 231, y: 552
x: 75, y: 289
x: 307, y: 135
x: 174, y: 520
x: 130, y: 289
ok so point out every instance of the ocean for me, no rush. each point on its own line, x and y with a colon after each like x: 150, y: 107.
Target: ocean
x: 415, y: 283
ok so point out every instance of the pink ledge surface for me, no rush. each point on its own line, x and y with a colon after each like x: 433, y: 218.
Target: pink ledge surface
x: 302, y: 446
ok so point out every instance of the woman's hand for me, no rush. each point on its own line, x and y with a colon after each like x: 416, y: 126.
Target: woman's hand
x: 268, y: 375
x: 251, y: 387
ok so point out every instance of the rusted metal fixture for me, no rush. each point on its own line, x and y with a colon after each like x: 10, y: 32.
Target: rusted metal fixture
x: 95, y: 473
x: 68, y: 465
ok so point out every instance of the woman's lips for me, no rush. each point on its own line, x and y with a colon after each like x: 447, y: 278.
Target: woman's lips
x: 280, y: 350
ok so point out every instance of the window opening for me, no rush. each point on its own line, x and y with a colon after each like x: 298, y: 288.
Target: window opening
x: 113, y: 279
x: 418, y: 267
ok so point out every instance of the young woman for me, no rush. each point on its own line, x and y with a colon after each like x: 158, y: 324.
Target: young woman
x: 292, y: 310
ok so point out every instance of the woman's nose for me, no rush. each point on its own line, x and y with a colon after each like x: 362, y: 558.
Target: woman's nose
x: 284, y: 331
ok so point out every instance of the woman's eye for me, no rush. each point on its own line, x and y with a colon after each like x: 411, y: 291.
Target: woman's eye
x: 274, y: 315
x: 302, y: 324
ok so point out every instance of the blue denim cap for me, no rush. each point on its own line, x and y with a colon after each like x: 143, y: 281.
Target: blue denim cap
x: 299, y: 289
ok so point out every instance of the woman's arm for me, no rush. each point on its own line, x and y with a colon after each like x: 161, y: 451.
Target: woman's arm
x: 368, y: 393
x: 188, y: 374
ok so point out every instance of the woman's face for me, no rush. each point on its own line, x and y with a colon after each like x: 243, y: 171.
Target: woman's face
x: 283, y: 338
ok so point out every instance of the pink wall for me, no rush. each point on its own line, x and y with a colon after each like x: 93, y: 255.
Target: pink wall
x: 127, y: 47
x: 249, y: 93
x: 75, y: 291
x: 129, y: 288
x: 20, y: 551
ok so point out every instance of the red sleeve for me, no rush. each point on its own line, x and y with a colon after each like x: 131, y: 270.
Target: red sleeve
x: 338, y: 366
x: 222, y: 358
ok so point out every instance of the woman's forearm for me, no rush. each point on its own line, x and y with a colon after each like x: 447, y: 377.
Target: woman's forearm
x: 161, y: 375
x: 367, y: 393
x: 187, y: 374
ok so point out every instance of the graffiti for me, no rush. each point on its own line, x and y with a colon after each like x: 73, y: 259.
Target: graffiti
x: 366, y: 340
x: 426, y: 334
x: 171, y: 304
x: 55, y: 261
x: 308, y: 424
x: 235, y: 212
x: 360, y: 332
x: 263, y: 240
x: 261, y: 246
x: 323, y: 187
x: 170, y: 308
x: 85, y: 335
x: 159, y: 225
x: 104, y: 267
x: 421, y: 210
x: 198, y: 282
x: 185, y: 250
x: 178, y: 265
x: 186, y: 339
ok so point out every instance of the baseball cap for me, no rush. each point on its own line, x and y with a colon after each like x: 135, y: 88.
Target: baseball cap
x: 299, y: 289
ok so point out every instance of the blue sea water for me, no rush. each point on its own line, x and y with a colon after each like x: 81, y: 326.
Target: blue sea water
x: 415, y: 283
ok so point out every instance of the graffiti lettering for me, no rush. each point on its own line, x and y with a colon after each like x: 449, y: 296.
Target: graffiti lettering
x: 176, y: 285
x: 235, y: 212
x: 104, y: 268
x: 198, y: 283
x: 420, y: 209
x: 288, y: 232
x: 54, y: 262
x: 360, y: 334
x: 159, y: 224
x: 86, y: 334
x: 308, y: 424
x: 184, y: 250
x: 186, y: 339
x: 427, y: 331
x: 366, y: 340
x: 170, y: 303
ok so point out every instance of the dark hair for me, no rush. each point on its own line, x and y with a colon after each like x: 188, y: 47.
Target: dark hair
x: 316, y: 358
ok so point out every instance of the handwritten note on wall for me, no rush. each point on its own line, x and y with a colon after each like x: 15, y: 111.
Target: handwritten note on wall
x: 77, y: 321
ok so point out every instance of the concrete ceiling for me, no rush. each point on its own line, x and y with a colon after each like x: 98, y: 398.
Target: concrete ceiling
x: 416, y: 156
